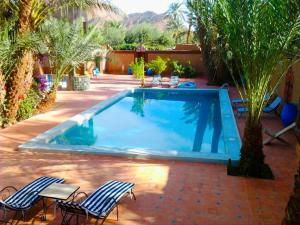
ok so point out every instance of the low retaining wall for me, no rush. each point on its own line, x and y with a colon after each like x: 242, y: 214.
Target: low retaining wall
x: 119, y: 60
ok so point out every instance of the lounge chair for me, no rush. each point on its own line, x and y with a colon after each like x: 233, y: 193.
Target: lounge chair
x: 174, y: 81
x: 23, y: 199
x: 268, y: 109
x: 278, y: 135
x: 156, y: 80
x: 237, y: 101
x: 99, y: 204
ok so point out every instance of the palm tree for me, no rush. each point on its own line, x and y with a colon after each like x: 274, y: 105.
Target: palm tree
x: 68, y: 46
x: 211, y: 42
x: 175, y: 15
x: 190, y: 18
x: 25, y: 17
x: 292, y: 212
x: 264, y: 49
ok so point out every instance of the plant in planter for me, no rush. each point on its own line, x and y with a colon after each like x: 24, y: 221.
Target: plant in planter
x: 101, y: 58
x: 177, y: 68
x: 68, y: 47
x: 138, y: 69
x: 158, y: 65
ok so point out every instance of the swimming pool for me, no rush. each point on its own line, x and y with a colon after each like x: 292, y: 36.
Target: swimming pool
x: 184, y: 124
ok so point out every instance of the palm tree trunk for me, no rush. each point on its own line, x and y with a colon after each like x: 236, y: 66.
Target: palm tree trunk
x: 292, y: 211
x: 18, y: 84
x: 252, y: 156
x: 19, y: 80
x: 188, y: 36
x: 2, y: 96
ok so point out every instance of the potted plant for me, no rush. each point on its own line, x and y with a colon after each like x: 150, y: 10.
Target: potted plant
x: 158, y: 65
x: 101, y: 58
x: 138, y: 69
x: 177, y: 68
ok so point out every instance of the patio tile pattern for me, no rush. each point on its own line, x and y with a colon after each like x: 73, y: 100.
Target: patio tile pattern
x: 168, y: 192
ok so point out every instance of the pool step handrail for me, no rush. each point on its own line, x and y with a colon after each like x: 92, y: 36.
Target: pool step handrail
x: 225, y: 85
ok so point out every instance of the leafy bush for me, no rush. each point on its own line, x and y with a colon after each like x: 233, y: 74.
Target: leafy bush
x: 142, y: 33
x: 158, y: 65
x: 113, y: 33
x: 28, y: 105
x: 132, y: 46
x: 125, y: 46
x: 189, y: 71
x: 138, y: 69
x: 177, y: 68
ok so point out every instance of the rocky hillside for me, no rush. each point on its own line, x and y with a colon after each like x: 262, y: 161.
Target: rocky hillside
x: 99, y: 16
x: 158, y: 20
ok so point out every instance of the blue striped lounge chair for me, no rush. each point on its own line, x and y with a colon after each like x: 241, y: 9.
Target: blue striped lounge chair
x: 23, y: 199
x: 271, y: 107
x: 99, y: 204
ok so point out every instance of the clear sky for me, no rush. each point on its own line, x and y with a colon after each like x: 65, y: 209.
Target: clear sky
x: 132, y: 6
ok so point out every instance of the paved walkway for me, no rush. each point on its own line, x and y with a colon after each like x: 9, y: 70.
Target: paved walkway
x: 168, y: 192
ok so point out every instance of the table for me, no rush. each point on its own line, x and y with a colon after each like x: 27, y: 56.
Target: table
x: 57, y: 191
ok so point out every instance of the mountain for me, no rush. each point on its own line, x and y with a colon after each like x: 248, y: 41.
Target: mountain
x: 158, y: 20
x: 99, y: 16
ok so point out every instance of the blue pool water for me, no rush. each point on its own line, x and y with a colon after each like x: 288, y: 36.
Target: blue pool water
x: 185, y: 122
x: 194, y: 125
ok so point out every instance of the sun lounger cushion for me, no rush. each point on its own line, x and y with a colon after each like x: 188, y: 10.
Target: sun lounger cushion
x: 26, y: 196
x: 106, y: 197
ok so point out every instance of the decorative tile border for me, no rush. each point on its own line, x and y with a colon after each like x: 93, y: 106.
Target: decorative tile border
x: 231, y: 134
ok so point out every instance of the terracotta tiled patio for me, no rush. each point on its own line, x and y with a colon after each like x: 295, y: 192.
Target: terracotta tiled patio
x: 168, y: 192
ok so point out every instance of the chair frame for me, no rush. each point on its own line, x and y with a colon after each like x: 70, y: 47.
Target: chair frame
x: 277, y: 135
x: 69, y: 212
x: 6, y: 207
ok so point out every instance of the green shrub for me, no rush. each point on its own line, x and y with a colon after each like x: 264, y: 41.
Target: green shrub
x: 177, y: 68
x: 189, y: 71
x: 125, y: 47
x: 28, y: 105
x: 158, y: 65
x: 138, y: 69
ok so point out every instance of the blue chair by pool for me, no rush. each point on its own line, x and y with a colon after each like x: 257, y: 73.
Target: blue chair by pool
x: 237, y: 101
x: 187, y: 84
x: 96, y: 72
x: 268, y: 109
x: 23, y: 199
x: 99, y: 204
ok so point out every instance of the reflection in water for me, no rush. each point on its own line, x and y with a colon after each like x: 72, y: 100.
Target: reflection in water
x: 206, y: 115
x: 217, y: 126
x: 138, y: 104
x: 84, y: 135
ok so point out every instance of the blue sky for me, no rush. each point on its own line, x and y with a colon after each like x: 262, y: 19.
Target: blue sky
x: 132, y: 6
